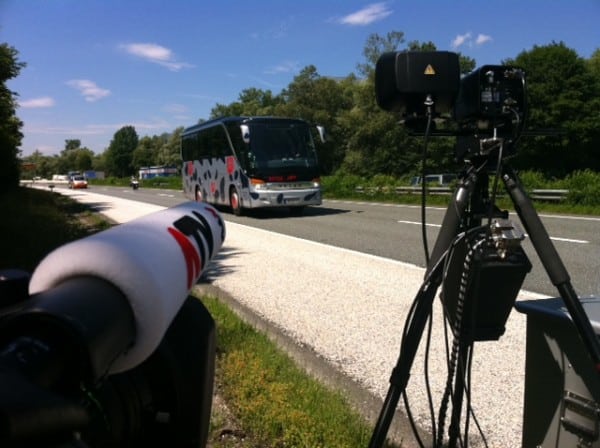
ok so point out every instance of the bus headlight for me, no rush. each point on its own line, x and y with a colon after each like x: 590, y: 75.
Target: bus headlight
x: 258, y: 184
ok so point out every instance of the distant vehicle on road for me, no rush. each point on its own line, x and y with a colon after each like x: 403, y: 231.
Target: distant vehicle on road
x: 437, y: 180
x: 78, y: 182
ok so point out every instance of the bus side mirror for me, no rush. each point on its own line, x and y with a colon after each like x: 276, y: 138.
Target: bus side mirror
x: 245, y: 133
x: 322, y: 134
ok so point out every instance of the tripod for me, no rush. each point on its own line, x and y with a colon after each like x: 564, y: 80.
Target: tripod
x: 465, y: 212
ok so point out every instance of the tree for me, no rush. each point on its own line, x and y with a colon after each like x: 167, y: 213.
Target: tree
x: 594, y: 63
x: 83, y: 159
x: 170, y: 152
x: 564, y: 95
x: 375, y: 46
x: 72, y: 144
x: 250, y: 101
x: 10, y: 125
x: 375, y: 142
x: 319, y: 100
x: 144, y: 154
x: 119, y: 155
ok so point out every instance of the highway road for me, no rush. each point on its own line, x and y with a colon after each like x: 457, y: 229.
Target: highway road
x: 394, y: 231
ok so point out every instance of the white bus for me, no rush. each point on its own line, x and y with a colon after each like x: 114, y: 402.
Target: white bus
x: 251, y: 162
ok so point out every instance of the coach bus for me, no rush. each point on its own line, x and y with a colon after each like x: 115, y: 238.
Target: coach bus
x: 251, y: 162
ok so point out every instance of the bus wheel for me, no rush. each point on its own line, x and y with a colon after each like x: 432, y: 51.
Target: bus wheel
x: 234, y: 202
x: 198, y: 195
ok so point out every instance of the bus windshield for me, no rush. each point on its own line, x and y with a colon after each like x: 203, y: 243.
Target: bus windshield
x: 281, y: 145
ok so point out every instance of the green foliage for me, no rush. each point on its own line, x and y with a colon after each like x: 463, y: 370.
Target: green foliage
x: 564, y: 94
x: 341, y: 185
x: 584, y: 188
x: 10, y: 125
x: 171, y: 182
x: 119, y: 155
x: 532, y: 180
x: 273, y: 399
x: 37, y: 222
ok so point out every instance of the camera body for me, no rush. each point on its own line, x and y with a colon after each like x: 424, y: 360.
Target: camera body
x: 485, y: 105
x: 56, y: 389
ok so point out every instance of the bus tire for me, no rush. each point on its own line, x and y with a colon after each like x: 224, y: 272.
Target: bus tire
x: 234, y: 202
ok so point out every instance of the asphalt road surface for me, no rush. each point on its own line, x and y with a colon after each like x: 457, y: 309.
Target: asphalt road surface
x: 394, y: 231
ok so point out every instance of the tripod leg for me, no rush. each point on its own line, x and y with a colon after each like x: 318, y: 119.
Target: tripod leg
x: 552, y: 263
x: 401, y: 372
x: 423, y: 301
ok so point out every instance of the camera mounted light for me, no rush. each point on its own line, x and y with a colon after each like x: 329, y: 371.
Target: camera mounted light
x: 410, y: 82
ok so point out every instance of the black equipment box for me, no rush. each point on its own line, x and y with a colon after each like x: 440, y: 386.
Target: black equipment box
x: 562, y: 386
x: 403, y: 80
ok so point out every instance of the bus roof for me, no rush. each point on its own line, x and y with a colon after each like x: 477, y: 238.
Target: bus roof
x: 238, y: 119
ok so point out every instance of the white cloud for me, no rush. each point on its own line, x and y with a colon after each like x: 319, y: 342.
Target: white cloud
x: 90, y: 91
x: 461, y: 40
x: 467, y: 40
x: 156, y: 54
x: 98, y: 128
x: 369, y: 14
x: 37, y: 103
x: 482, y: 39
x: 284, y: 67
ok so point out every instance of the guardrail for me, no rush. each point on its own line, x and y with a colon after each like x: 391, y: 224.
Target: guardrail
x: 546, y: 195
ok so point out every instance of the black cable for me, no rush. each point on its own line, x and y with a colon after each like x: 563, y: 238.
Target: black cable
x: 407, y: 325
x: 470, y: 409
x: 429, y: 104
x: 411, y: 420
x: 426, y: 379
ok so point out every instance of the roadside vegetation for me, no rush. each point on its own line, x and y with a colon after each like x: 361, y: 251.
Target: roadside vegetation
x: 275, y: 402
x: 34, y: 222
x: 583, y: 187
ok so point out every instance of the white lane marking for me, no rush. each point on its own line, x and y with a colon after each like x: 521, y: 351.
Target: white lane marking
x: 555, y: 238
x: 567, y: 240
x: 418, y: 223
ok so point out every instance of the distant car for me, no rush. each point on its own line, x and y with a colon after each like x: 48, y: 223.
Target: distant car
x: 438, y: 180
x: 78, y: 182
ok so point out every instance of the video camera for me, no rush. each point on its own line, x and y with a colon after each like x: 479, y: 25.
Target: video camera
x: 485, y: 105
x: 103, y: 347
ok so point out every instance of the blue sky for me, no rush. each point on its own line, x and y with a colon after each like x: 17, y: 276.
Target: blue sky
x: 94, y: 66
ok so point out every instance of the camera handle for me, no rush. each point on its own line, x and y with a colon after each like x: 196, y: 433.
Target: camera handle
x: 455, y: 215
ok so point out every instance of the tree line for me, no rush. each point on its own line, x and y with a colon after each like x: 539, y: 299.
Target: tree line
x: 563, y: 97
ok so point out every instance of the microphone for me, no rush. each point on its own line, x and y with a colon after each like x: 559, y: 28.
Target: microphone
x: 152, y: 262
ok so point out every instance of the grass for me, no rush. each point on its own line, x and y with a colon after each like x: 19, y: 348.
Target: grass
x: 35, y: 222
x: 275, y: 401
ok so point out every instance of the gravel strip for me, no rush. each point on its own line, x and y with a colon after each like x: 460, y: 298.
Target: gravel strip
x: 350, y: 308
